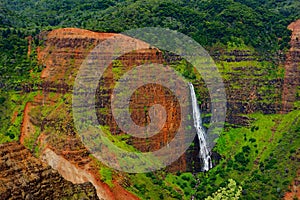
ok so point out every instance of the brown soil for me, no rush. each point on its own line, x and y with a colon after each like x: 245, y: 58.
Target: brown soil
x: 29, y: 45
x: 292, y: 69
x: 120, y: 193
x: 65, y: 50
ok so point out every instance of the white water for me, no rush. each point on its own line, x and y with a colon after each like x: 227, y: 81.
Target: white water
x: 204, y: 153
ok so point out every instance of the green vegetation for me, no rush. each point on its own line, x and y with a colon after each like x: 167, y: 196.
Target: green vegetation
x: 15, y: 63
x: 117, y: 69
x: 161, y: 185
x: 18, y: 76
x: 253, y: 23
x: 106, y: 175
x: 230, y: 192
x: 11, y: 114
x: 119, y: 141
x: 261, y: 158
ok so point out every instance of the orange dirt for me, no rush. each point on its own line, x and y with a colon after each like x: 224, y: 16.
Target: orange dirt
x: 121, y: 193
x: 63, y: 46
x: 29, y: 38
x: 26, y: 127
x: 13, y: 118
x: 295, y: 189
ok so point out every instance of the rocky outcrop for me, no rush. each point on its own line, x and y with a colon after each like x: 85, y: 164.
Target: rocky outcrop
x: 292, y: 70
x: 22, y: 176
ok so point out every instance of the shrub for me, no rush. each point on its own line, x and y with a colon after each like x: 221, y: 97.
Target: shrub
x: 240, y: 158
x: 246, y: 149
x: 2, y: 100
x: 252, y: 140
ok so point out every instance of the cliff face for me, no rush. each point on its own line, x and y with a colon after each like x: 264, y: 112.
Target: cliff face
x: 23, y: 176
x: 64, y: 50
x: 48, y: 123
x: 291, y: 90
x: 62, y: 53
x: 140, y: 102
x: 251, y: 84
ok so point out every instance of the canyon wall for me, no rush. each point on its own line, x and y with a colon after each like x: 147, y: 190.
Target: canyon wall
x: 48, y: 123
x: 251, y: 84
x: 62, y: 53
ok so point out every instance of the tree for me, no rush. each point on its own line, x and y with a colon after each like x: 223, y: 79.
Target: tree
x: 230, y: 192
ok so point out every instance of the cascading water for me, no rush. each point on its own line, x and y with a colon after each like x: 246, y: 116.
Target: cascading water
x: 204, y: 153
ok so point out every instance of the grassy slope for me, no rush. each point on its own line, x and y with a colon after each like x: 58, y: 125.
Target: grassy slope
x: 265, y: 167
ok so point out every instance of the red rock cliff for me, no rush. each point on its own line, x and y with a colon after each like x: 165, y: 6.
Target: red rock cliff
x: 62, y: 53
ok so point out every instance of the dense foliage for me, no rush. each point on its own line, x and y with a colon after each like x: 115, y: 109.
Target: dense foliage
x: 256, y: 23
x: 18, y: 73
x: 16, y: 62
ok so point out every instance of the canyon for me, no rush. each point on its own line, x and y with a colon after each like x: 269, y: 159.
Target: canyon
x: 48, y: 118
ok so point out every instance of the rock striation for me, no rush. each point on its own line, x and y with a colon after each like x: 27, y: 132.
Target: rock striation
x: 22, y: 176
x: 62, y: 53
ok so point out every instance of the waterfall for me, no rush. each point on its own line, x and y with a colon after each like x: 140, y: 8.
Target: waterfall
x: 204, y: 153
